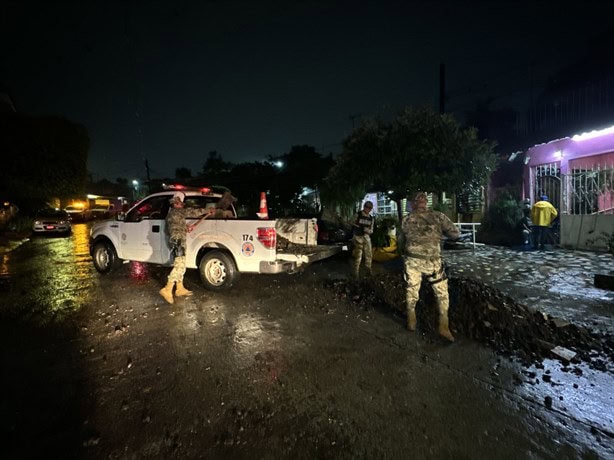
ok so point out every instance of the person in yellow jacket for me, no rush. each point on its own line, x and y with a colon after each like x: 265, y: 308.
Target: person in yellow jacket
x: 542, y: 215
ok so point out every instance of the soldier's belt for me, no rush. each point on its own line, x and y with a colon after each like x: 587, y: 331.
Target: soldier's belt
x: 420, y: 256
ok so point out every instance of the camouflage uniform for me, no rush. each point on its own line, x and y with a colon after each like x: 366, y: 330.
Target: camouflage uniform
x: 363, y: 227
x: 423, y: 230
x: 176, y: 229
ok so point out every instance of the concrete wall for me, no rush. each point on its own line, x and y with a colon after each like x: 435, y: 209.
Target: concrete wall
x: 577, y: 229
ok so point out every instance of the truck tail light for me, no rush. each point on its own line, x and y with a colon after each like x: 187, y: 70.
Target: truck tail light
x: 268, y: 237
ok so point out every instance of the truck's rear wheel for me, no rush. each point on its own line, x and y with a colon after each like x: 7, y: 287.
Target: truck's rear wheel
x: 218, y: 271
x: 105, y: 257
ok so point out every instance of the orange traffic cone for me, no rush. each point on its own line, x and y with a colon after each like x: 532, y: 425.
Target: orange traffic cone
x: 264, y: 212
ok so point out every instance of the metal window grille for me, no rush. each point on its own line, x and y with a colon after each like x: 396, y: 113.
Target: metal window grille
x: 590, y: 191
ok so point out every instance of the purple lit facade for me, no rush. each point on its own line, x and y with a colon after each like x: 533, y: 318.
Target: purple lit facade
x: 547, y: 165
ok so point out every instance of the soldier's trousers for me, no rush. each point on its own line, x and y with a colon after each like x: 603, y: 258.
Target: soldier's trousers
x: 433, y: 271
x: 177, y: 247
x: 362, y: 247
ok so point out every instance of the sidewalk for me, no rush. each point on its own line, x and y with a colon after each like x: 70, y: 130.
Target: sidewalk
x: 557, y: 282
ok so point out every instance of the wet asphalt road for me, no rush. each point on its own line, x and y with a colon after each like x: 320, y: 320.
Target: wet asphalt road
x: 100, y: 367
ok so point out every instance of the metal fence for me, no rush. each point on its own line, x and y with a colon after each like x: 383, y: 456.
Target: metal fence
x: 589, y: 191
x: 581, y: 191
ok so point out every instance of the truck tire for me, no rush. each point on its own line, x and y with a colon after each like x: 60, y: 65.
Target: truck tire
x: 218, y: 271
x: 105, y: 257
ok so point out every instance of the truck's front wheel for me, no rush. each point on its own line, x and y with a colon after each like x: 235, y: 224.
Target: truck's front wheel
x: 218, y: 271
x: 105, y: 257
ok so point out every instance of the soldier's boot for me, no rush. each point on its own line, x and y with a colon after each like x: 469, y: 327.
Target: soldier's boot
x: 411, y: 319
x: 444, y: 329
x: 167, y: 292
x: 181, y: 290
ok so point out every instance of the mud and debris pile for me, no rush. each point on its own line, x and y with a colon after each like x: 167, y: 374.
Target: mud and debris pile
x: 484, y: 314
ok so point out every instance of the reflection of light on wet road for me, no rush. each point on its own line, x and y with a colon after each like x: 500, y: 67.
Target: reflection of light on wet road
x: 62, y: 275
x: 139, y: 271
x: 210, y: 314
x: 253, y: 338
x: 578, y: 285
x: 68, y: 271
x: 586, y: 397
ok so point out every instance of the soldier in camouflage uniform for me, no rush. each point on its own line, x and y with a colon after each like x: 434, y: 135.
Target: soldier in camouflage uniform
x: 362, y: 228
x: 423, y: 229
x: 177, y: 228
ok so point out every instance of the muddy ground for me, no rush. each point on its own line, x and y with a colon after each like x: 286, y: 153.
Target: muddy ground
x: 281, y: 366
x: 482, y: 313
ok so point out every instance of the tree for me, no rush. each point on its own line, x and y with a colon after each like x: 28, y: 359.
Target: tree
x: 418, y: 150
x: 215, y: 165
x: 247, y: 180
x: 183, y: 174
x: 299, y: 169
x: 46, y: 157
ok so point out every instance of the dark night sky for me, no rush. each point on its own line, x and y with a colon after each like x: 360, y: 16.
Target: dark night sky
x: 171, y: 81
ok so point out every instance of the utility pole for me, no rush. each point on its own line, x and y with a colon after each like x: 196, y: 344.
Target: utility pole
x: 148, y: 176
x: 442, y: 88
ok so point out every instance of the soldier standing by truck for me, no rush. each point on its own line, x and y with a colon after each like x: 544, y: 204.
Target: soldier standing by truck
x: 423, y: 229
x: 177, y: 229
x: 362, y: 229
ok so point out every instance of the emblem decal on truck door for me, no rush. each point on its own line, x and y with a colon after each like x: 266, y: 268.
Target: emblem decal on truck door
x: 247, y: 249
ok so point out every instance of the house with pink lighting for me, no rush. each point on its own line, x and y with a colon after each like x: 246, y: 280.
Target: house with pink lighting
x: 577, y: 175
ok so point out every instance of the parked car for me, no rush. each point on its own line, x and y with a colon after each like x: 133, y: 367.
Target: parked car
x: 101, y: 212
x: 50, y: 220
x: 78, y: 214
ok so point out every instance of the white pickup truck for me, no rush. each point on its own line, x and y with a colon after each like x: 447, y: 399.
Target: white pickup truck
x: 220, y: 248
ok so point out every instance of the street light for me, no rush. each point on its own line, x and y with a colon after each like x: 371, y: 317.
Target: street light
x: 135, y: 183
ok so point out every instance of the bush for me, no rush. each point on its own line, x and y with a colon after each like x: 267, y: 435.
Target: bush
x: 19, y: 224
x: 501, y: 222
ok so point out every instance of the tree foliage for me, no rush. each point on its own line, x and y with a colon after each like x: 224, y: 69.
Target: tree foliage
x: 44, y: 157
x: 299, y: 169
x: 418, y: 150
x: 183, y: 173
x: 283, y: 177
x: 215, y: 165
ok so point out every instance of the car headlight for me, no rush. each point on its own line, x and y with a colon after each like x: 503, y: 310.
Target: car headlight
x: 37, y: 222
x: 62, y: 222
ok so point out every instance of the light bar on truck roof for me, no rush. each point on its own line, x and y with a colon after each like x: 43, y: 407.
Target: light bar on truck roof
x: 186, y: 189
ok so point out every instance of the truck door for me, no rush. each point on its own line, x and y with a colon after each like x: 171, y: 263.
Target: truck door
x: 143, y: 234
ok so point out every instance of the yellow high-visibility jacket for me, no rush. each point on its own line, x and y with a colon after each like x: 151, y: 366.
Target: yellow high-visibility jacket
x: 543, y: 213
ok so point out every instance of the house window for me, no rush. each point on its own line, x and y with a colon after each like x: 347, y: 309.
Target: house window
x: 386, y: 206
